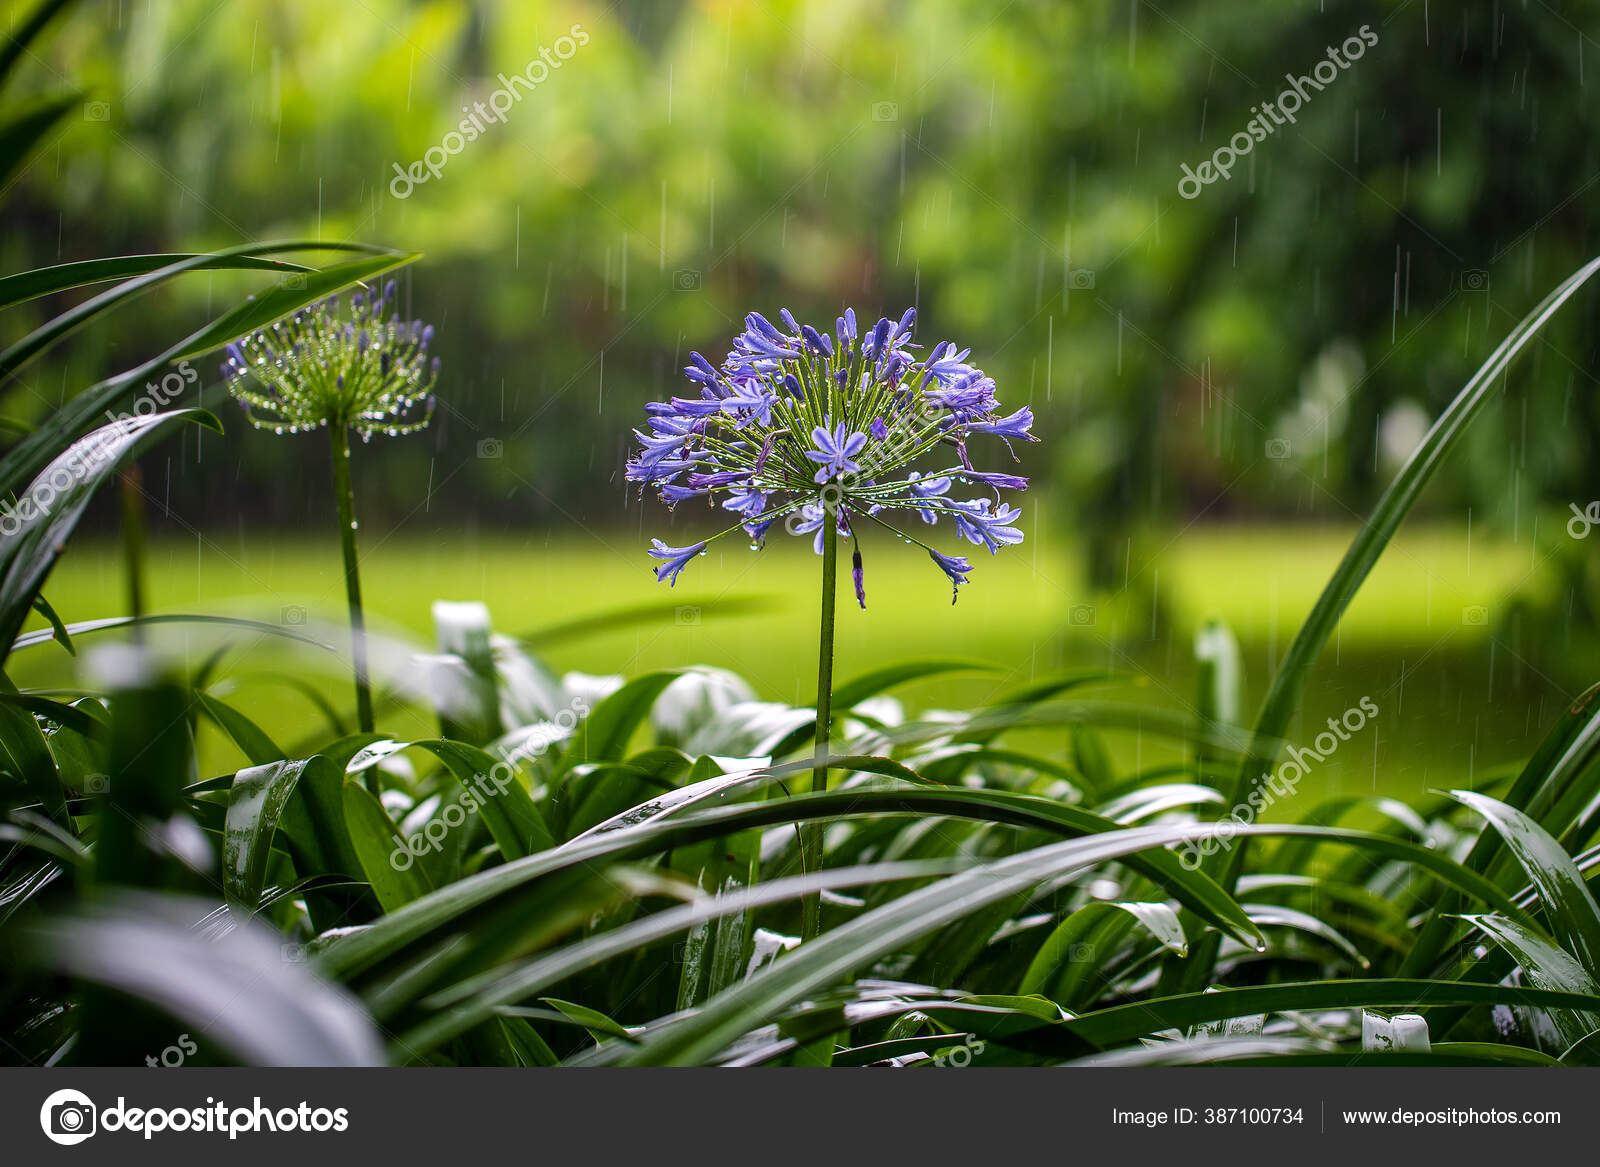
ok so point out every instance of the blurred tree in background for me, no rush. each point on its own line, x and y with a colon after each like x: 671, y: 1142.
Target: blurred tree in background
x: 1275, y: 344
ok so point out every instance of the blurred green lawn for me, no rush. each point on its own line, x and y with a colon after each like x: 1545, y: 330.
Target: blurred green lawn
x: 1453, y: 705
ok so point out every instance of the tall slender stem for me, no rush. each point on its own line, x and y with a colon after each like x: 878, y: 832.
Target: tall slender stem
x: 340, y: 437
x: 811, y: 835
x: 133, y: 541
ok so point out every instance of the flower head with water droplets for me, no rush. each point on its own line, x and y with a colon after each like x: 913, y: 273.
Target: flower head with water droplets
x: 799, y: 426
x: 327, y: 366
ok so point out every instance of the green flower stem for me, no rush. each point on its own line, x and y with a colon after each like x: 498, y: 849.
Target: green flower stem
x: 339, y: 436
x: 133, y: 541
x: 811, y: 835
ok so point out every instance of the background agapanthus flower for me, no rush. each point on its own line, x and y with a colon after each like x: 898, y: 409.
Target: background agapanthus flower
x: 366, y: 369
x: 797, y: 425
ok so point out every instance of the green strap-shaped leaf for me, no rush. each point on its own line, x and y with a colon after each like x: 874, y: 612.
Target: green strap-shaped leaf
x: 508, y: 810
x: 1570, y: 909
x: 377, y: 842
x: 1546, y: 965
x: 49, y: 510
x: 603, y: 736
x: 47, y: 281
x: 255, y: 803
x: 1067, y: 943
x: 1374, y: 536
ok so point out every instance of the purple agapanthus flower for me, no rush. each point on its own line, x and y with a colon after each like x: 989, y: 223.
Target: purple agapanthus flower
x: 802, y: 426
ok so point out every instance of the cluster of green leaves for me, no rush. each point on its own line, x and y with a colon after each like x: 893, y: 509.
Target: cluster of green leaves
x: 629, y: 891
x: 584, y: 870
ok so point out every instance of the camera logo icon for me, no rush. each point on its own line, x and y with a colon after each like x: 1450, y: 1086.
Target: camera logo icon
x: 293, y: 615
x: 1080, y: 952
x: 1474, y: 279
x: 1081, y: 278
x: 1278, y: 449
x: 885, y: 111
x: 292, y: 954
x: 491, y: 449
x: 686, y: 279
x: 96, y: 111
x: 1475, y: 615
x: 67, y: 1117
x: 96, y: 784
x: 686, y: 615
x: 1081, y: 615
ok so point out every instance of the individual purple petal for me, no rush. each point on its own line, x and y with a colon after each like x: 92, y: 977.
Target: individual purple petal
x: 674, y: 559
x: 993, y: 478
x: 704, y: 407
x: 1015, y: 426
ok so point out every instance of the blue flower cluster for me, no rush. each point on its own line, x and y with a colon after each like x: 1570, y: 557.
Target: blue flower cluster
x: 805, y: 427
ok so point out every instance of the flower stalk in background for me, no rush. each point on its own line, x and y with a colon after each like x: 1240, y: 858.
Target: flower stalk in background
x: 323, y: 367
x: 822, y: 432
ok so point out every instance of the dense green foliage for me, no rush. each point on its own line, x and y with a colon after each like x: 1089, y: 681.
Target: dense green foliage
x: 580, y: 869
x: 963, y: 156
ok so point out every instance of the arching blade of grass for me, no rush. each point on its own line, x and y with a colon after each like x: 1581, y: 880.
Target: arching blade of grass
x: 27, y: 557
x: 1284, y: 696
x: 1058, y: 950
x: 252, y: 740
x: 1571, y: 910
x: 1564, y: 753
x: 1546, y: 966
x: 112, y: 623
x: 1380, y: 527
x: 255, y: 803
x: 603, y: 735
x: 46, y: 281
x: 277, y: 301
x: 377, y: 842
x: 508, y: 811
